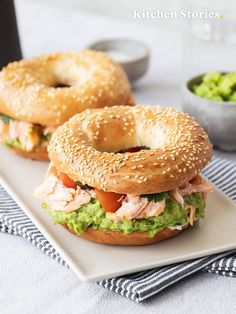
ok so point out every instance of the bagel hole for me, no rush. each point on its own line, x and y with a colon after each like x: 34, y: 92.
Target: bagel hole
x: 60, y: 85
x: 133, y: 149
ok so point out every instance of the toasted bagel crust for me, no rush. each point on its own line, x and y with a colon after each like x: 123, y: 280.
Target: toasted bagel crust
x: 119, y: 238
x: 84, y: 147
x: 28, y: 93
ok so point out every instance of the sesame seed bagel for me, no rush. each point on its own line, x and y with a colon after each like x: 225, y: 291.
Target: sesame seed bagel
x: 85, y: 149
x: 119, y: 238
x: 49, y: 89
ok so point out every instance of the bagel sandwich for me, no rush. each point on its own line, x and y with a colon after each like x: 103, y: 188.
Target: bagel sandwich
x: 130, y: 177
x: 39, y: 94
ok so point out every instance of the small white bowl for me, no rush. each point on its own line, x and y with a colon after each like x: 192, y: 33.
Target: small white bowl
x: 132, y: 55
x: 217, y: 118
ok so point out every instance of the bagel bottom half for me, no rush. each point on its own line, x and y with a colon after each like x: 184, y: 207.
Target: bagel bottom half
x: 39, y: 153
x: 119, y: 238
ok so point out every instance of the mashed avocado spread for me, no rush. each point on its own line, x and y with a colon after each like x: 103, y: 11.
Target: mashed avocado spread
x: 217, y: 86
x: 16, y: 142
x: 13, y: 143
x: 92, y: 215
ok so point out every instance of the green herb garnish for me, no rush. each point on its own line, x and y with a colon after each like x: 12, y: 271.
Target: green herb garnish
x: 4, y: 118
x: 83, y: 186
x: 157, y: 197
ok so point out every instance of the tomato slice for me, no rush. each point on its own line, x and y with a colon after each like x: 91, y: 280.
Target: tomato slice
x: 110, y: 201
x: 51, y: 169
x: 68, y: 182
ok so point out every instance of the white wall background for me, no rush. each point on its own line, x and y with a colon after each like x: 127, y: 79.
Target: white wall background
x: 125, y: 8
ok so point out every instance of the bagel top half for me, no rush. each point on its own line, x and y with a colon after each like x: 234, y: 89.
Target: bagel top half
x: 85, y: 148
x: 49, y: 89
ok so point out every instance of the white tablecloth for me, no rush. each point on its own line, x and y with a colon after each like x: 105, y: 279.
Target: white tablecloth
x: 32, y: 282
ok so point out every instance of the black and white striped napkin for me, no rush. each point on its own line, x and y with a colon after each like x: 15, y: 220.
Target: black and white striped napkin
x: 141, y: 285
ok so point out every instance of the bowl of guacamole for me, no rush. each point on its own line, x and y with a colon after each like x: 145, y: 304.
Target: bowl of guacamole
x: 211, y: 99
x: 217, y: 86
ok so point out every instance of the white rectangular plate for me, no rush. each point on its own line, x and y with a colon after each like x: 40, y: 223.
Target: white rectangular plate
x: 91, y: 261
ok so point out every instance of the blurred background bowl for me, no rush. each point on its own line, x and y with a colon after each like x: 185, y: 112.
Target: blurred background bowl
x: 217, y: 118
x: 132, y: 55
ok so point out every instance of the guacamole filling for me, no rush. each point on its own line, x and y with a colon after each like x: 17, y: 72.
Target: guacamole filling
x: 217, y: 86
x: 22, y: 135
x: 92, y: 215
